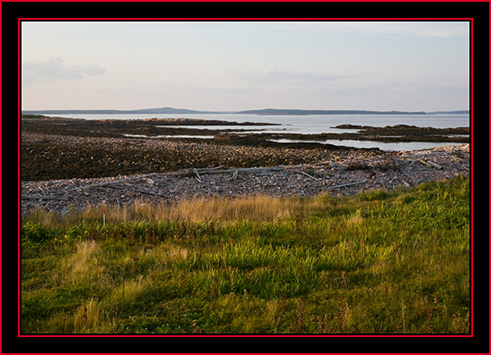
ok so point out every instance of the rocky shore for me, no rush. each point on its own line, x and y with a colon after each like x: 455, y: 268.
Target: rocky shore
x: 72, y: 163
x: 49, y: 157
x: 236, y: 171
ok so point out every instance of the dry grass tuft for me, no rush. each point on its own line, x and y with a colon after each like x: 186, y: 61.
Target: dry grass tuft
x: 200, y: 209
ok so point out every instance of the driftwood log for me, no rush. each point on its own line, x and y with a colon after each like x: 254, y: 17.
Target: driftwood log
x: 42, y: 197
x: 239, y: 170
x: 348, y: 184
x: 431, y: 164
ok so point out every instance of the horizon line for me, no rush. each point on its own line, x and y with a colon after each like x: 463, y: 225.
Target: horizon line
x: 235, y: 110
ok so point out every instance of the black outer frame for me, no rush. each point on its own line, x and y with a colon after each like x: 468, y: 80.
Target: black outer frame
x: 477, y: 11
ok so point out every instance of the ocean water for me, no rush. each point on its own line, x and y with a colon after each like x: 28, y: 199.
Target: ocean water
x: 314, y: 124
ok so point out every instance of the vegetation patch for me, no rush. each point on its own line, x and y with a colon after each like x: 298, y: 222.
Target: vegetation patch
x: 376, y: 263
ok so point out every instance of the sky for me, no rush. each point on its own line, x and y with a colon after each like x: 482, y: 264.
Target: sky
x: 240, y: 65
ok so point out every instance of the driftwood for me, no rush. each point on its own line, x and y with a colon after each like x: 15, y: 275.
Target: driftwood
x: 114, y: 182
x: 129, y: 187
x: 196, y: 172
x: 348, y: 184
x: 405, y: 183
x: 431, y: 164
x: 420, y: 154
x: 240, y: 170
x: 435, y: 165
x: 310, y: 176
x: 456, y: 159
x: 219, y: 170
x: 198, y: 177
x: 42, y: 197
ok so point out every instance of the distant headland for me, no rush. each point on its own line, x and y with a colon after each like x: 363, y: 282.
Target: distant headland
x: 266, y: 112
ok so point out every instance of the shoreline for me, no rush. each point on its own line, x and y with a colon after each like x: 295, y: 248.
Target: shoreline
x: 236, y: 134
x: 72, y: 163
x: 61, y: 148
x: 50, y: 157
x: 343, y: 173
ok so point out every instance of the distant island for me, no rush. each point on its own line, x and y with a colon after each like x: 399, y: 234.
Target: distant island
x: 160, y: 110
x: 267, y: 111
x: 293, y: 112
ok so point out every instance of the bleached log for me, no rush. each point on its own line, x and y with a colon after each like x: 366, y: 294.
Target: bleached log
x: 348, y: 184
x: 431, y: 164
x: 405, y: 183
x: 136, y: 189
x: 435, y: 165
x: 310, y: 176
x: 239, y: 170
x: 420, y: 154
x: 113, y: 182
x: 198, y: 177
x: 42, y: 197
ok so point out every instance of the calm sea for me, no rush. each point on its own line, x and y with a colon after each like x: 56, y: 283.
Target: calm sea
x: 319, y: 124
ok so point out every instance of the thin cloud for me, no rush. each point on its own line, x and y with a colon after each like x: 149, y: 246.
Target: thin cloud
x: 283, y: 76
x: 54, y: 69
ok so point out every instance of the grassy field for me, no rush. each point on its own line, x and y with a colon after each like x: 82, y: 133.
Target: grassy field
x: 381, y: 262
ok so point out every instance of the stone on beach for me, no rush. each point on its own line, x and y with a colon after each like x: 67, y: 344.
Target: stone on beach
x: 345, y: 172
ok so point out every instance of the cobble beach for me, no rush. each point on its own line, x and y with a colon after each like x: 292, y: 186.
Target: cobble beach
x: 60, y: 172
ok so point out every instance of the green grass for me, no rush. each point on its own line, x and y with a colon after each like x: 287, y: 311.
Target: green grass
x: 377, y: 263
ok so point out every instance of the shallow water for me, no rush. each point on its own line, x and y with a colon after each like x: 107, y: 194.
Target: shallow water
x: 315, y: 124
x: 372, y: 144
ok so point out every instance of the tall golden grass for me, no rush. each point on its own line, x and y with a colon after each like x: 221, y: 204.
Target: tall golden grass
x: 200, y: 209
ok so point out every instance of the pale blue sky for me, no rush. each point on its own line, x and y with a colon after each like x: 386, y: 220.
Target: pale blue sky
x: 411, y: 66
